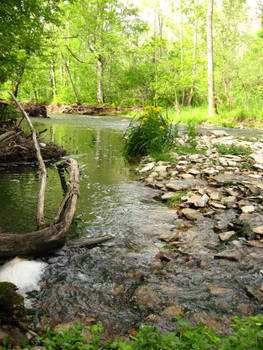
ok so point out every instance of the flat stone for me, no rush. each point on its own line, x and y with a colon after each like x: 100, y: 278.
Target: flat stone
x: 217, y: 205
x: 147, y: 168
x: 225, y: 236
x: 161, y: 170
x: 215, y: 195
x: 168, y: 236
x: 248, y: 209
x: 258, y: 157
x: 231, y: 254
x: 184, y: 184
x: 198, y: 201
x: 173, y: 310
x: 258, y: 230
x: 211, y: 171
x: 218, y: 133
x: 187, y: 176
x: 193, y: 171
x: 192, y: 214
x: 167, y: 196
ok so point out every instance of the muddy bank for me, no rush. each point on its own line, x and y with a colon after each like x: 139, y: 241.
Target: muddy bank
x: 16, y: 146
x: 83, y: 109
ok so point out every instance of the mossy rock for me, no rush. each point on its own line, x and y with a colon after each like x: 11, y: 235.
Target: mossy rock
x: 11, y: 304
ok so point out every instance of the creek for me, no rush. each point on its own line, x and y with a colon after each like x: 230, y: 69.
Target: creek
x: 120, y: 282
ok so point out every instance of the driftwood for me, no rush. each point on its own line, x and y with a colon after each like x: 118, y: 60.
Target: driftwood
x: 48, y: 238
x: 88, y: 241
x: 52, y: 236
x: 6, y: 135
x: 41, y: 194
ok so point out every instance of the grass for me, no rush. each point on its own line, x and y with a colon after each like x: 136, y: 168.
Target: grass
x: 176, y: 199
x: 233, y: 149
x: 247, y: 334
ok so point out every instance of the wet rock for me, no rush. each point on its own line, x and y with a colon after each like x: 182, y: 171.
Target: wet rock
x: 117, y: 291
x: 192, y: 214
x: 231, y: 254
x: 145, y: 296
x: 225, y: 236
x: 180, y: 185
x: 248, y: 209
x: 173, y: 310
x: 218, y: 290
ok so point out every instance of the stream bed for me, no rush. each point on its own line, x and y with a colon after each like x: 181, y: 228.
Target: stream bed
x: 131, y: 279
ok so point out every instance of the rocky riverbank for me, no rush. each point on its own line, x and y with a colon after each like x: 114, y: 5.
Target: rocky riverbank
x: 214, y: 249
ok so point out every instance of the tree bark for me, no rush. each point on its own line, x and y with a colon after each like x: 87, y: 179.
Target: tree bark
x: 190, y: 99
x: 210, y: 60
x: 100, y: 93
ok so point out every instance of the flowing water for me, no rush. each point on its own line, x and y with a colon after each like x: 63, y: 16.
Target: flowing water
x: 120, y: 282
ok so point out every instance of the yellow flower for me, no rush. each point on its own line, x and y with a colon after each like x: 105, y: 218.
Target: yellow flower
x: 144, y: 118
x: 159, y: 109
x: 147, y: 107
x: 142, y: 123
x: 168, y: 123
x: 161, y: 127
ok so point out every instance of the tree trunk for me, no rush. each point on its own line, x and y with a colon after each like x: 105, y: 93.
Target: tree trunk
x: 190, y: 99
x: 100, y: 94
x: 70, y: 78
x: 210, y: 60
x: 53, y: 79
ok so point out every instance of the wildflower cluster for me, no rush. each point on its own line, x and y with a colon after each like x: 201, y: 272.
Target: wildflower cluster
x: 153, y: 133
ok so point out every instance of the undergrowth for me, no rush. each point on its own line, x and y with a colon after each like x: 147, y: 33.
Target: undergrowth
x: 233, y: 149
x: 247, y: 334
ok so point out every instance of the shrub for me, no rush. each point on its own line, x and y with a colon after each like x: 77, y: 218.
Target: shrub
x: 151, y: 133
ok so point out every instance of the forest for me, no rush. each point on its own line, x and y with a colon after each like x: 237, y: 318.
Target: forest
x: 119, y: 54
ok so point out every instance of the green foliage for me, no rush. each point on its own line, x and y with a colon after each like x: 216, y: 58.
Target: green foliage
x: 233, y: 149
x: 172, y: 202
x: 247, y: 334
x: 151, y: 133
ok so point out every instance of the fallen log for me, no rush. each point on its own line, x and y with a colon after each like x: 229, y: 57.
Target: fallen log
x: 6, y: 135
x: 51, y: 237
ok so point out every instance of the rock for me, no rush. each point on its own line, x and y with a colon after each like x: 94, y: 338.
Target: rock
x: 217, y: 205
x: 173, y: 310
x: 218, y: 133
x: 118, y: 290
x: 225, y: 236
x: 219, y: 324
x: 194, y: 171
x: 187, y: 176
x: 13, y: 335
x: 180, y: 185
x: 151, y: 318
x: 248, y: 209
x: 232, y: 254
x: 167, y: 196
x: 210, y: 171
x: 192, y: 214
x: 198, y: 201
x: 161, y: 170
x: 257, y: 244
x: 86, y: 333
x: 145, y: 296
x: 258, y: 157
x: 168, y: 236
x: 258, y: 230
x: 218, y: 290
x: 147, y: 168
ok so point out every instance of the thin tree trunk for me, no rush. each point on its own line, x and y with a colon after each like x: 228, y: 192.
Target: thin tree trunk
x: 19, y: 79
x: 210, y: 60
x: 53, y: 79
x: 100, y: 93
x: 190, y: 99
x: 70, y: 78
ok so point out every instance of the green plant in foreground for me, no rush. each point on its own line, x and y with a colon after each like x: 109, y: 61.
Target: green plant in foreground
x: 247, y: 335
x: 153, y: 134
x: 176, y: 198
x: 233, y: 149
